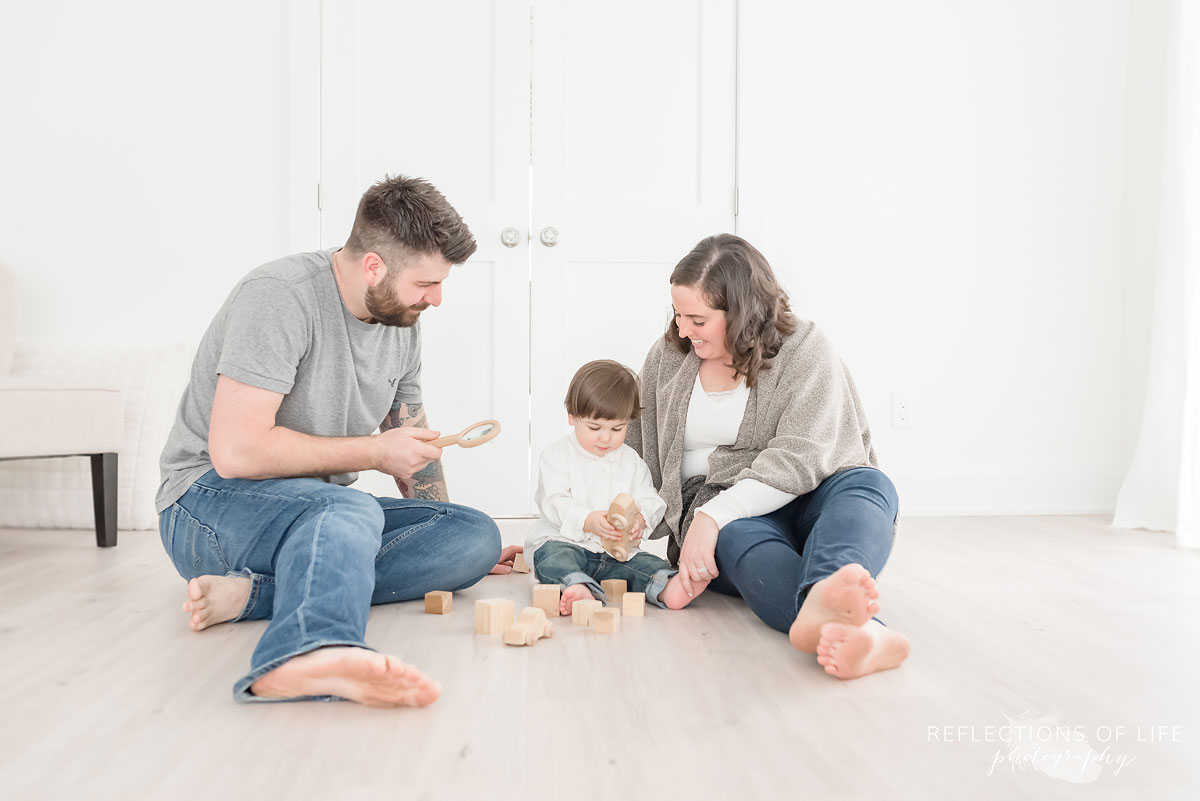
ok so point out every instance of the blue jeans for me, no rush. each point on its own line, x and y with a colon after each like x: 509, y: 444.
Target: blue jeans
x: 557, y: 562
x: 773, y: 560
x: 318, y: 555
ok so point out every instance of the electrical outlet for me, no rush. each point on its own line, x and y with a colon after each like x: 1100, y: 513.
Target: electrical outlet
x: 901, y: 410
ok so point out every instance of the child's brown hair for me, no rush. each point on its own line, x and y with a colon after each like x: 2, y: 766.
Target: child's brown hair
x: 604, y: 390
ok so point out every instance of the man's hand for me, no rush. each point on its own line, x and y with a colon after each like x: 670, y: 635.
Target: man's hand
x: 403, y: 452
x: 505, y: 565
x: 597, y: 523
x: 428, y: 482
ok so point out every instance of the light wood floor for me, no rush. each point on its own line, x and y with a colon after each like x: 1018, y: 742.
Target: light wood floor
x: 104, y: 693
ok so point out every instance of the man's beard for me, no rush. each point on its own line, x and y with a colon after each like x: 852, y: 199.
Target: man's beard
x: 386, y: 308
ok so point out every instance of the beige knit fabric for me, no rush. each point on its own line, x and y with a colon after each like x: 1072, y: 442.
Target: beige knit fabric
x: 803, y: 422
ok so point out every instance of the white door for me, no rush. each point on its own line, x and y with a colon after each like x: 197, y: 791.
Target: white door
x: 441, y: 90
x: 629, y: 111
x: 633, y: 164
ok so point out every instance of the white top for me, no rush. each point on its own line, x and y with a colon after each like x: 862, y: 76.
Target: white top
x: 713, y: 420
x: 573, y: 483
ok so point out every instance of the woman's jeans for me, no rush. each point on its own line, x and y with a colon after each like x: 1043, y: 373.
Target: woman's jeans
x: 773, y: 560
x: 557, y: 562
x: 318, y: 555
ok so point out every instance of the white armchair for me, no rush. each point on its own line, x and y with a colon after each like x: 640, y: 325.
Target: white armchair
x: 49, y: 417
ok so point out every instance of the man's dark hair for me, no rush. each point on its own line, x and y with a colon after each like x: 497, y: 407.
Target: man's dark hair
x: 400, y: 216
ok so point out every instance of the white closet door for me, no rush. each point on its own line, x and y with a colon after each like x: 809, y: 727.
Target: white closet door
x: 441, y: 90
x: 633, y: 164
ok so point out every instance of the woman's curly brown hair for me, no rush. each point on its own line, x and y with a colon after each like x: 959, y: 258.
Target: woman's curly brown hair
x: 735, y: 278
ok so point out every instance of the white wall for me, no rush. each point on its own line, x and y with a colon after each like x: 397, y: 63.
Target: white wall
x: 962, y: 193
x: 144, y: 161
x: 947, y: 201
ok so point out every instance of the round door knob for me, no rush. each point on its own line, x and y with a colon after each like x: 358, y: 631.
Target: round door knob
x: 511, y: 237
x: 549, y: 237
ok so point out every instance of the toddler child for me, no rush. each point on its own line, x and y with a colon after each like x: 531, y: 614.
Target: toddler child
x: 578, y: 477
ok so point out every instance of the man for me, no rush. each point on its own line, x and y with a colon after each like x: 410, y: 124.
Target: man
x: 296, y: 372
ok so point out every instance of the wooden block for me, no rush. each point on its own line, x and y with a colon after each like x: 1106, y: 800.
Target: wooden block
x: 607, y: 621
x: 519, y: 564
x: 493, y: 616
x: 438, y: 602
x: 582, y: 611
x: 547, y: 596
x: 529, y: 627
x: 633, y: 604
x: 614, y: 589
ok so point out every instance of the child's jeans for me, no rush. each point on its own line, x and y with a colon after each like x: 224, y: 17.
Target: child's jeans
x: 557, y: 562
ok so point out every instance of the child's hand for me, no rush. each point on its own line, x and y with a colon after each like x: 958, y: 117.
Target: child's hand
x: 639, y: 526
x: 597, y: 523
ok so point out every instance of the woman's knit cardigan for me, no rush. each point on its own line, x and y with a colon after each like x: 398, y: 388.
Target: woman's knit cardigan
x: 803, y: 423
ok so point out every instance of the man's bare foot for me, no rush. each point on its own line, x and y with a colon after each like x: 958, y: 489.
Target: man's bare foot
x: 215, y: 599
x: 352, y: 673
x: 848, y: 596
x: 852, y: 651
x: 576, y: 592
x: 674, y: 596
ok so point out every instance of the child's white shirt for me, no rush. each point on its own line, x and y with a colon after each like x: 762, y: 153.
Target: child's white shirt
x: 572, y: 483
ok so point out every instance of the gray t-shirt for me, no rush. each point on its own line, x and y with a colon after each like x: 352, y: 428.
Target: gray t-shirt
x: 284, y: 328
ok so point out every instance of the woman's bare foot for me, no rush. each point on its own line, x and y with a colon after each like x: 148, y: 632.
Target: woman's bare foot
x: 674, y: 596
x: 215, y: 599
x: 848, y: 596
x: 576, y: 592
x: 352, y: 673
x: 852, y: 651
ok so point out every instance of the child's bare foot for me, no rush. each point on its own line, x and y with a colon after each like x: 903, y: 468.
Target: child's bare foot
x: 215, y: 599
x: 352, y: 673
x: 674, y: 596
x: 852, y: 651
x: 848, y: 596
x: 576, y: 592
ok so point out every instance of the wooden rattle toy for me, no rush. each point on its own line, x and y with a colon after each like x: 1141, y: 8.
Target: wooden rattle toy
x: 471, y: 436
x: 622, y: 512
x: 529, y: 628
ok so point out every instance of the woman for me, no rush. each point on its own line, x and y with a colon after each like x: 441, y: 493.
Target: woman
x: 756, y: 438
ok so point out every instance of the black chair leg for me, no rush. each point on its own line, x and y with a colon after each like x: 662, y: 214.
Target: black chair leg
x: 104, y: 498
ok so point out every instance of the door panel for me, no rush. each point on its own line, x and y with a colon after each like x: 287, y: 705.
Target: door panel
x: 633, y: 163
x: 612, y: 122
x: 441, y: 91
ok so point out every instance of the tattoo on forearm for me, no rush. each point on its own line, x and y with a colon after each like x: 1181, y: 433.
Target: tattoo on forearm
x: 429, y: 483
x: 430, y: 473
x: 404, y: 414
x: 429, y: 493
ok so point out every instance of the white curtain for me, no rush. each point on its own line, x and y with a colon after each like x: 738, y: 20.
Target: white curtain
x: 1162, y: 489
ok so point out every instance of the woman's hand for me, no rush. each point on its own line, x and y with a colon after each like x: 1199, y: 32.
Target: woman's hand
x: 697, y: 560
x: 597, y: 523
